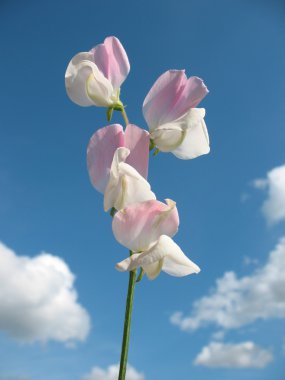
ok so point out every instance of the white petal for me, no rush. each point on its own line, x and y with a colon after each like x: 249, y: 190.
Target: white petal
x: 150, y: 261
x: 99, y: 88
x: 75, y: 79
x: 128, y: 264
x: 86, y: 85
x: 167, y: 137
x: 153, y: 270
x: 164, y: 255
x: 175, y: 262
x: 126, y: 185
x: 196, y: 139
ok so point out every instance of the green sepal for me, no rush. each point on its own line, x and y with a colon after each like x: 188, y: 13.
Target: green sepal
x: 140, y: 276
x: 155, y: 153
x: 113, y: 212
x: 151, y: 144
x: 118, y: 106
x: 109, y: 113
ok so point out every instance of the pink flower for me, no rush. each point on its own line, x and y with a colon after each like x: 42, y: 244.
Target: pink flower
x: 146, y: 229
x: 118, y: 164
x: 175, y: 124
x: 95, y: 77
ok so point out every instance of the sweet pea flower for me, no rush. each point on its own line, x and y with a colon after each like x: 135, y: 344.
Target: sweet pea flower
x: 146, y: 229
x: 118, y: 164
x: 94, y: 78
x: 175, y: 124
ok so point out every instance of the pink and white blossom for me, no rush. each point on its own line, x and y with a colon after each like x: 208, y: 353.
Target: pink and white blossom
x: 175, y: 124
x: 146, y: 229
x: 118, y: 165
x: 95, y: 77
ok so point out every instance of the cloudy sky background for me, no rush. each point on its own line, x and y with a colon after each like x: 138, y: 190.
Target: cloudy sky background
x: 61, y: 300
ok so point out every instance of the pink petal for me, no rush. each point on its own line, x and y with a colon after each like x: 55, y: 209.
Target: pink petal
x: 171, y: 96
x: 162, y: 96
x: 137, y: 140
x: 112, y: 60
x: 191, y: 95
x: 100, y: 152
x: 140, y: 225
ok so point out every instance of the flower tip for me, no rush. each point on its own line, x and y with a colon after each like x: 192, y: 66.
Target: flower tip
x: 174, y: 71
x: 205, y: 88
x: 170, y: 203
x: 196, y: 269
x: 120, y: 267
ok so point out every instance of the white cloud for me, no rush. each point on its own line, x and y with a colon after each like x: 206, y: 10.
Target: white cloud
x: 235, y: 302
x: 38, y: 299
x: 112, y: 372
x: 228, y: 355
x: 273, y: 207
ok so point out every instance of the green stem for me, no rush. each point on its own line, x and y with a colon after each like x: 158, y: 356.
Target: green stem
x: 129, y: 307
x: 125, y: 116
x: 127, y: 326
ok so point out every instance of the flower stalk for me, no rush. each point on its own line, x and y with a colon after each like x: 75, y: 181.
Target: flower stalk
x: 127, y: 325
x: 124, y: 114
x: 129, y: 306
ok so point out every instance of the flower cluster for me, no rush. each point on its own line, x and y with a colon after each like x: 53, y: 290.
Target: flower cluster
x: 118, y: 159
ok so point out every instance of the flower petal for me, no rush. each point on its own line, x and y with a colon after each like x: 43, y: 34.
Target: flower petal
x: 162, y: 97
x: 76, y: 76
x: 150, y: 261
x: 126, y: 185
x: 176, y: 263
x: 190, y: 96
x: 168, y: 136
x: 165, y: 255
x: 140, y: 225
x: 196, y: 139
x: 112, y: 61
x: 99, y: 88
x: 100, y: 153
x: 137, y: 140
x: 171, y: 96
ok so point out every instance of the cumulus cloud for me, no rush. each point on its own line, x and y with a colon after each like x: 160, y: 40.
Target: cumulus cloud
x: 235, y: 302
x: 112, y: 372
x: 273, y: 207
x: 228, y: 355
x: 38, y: 299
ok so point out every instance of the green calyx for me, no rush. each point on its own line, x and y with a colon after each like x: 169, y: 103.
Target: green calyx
x: 153, y: 146
x: 113, y: 212
x: 118, y: 106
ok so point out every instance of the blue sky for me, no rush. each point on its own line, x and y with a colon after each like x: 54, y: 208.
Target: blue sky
x: 47, y: 203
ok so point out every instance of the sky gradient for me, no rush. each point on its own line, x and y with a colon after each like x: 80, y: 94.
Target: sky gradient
x: 229, y: 222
